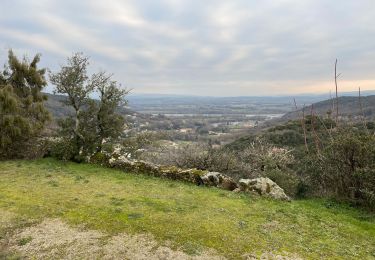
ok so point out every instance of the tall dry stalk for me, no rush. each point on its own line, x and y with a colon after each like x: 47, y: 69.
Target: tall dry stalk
x: 337, y: 97
x: 316, y: 137
x: 303, y: 125
x: 361, y: 109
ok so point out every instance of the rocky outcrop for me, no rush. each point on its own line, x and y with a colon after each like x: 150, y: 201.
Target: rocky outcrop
x: 219, y: 180
x: 264, y: 187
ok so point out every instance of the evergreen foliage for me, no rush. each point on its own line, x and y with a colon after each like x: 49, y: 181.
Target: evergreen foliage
x: 22, y: 112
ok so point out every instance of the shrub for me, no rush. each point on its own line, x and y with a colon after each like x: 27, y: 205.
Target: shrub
x: 263, y: 159
x: 99, y: 158
x: 63, y: 149
x: 260, y: 159
x: 200, y: 156
x: 134, y: 146
x: 263, y: 156
x: 287, y: 180
x: 345, y: 167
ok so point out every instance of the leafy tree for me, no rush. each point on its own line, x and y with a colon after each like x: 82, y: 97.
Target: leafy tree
x: 22, y: 112
x: 94, y: 121
x: 109, y: 123
x: 72, y: 80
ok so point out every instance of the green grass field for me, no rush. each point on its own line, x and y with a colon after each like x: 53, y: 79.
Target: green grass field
x: 190, y: 217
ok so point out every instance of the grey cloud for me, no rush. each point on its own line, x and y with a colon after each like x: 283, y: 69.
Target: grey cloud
x: 190, y: 46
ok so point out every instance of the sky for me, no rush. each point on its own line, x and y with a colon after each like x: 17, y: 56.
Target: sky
x: 202, y: 47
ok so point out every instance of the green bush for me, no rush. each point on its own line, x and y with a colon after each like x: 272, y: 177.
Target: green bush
x: 344, y: 168
x: 100, y: 159
x: 63, y: 150
x: 287, y: 180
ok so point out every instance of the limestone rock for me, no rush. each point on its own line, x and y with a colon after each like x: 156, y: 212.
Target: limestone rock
x: 169, y: 172
x: 264, y: 187
x: 219, y: 180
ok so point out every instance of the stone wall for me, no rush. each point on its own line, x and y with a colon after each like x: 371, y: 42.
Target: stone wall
x: 260, y: 186
x: 169, y: 172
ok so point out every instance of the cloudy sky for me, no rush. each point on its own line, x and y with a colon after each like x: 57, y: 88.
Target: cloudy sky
x: 202, y: 47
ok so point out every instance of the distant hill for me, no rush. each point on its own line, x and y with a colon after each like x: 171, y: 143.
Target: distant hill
x: 55, y: 104
x: 348, y: 107
x: 136, y: 99
x: 286, y: 131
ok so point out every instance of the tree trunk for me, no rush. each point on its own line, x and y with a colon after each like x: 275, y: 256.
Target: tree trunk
x: 79, y: 137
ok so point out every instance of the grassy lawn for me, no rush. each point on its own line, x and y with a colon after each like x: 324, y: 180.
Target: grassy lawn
x: 191, y: 217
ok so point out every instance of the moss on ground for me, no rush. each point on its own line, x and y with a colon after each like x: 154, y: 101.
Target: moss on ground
x: 191, y: 217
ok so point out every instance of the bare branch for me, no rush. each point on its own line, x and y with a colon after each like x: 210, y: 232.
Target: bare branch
x: 337, y: 98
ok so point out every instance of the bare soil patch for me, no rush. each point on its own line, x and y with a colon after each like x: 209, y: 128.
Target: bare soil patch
x: 6, y: 218
x: 54, y: 239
